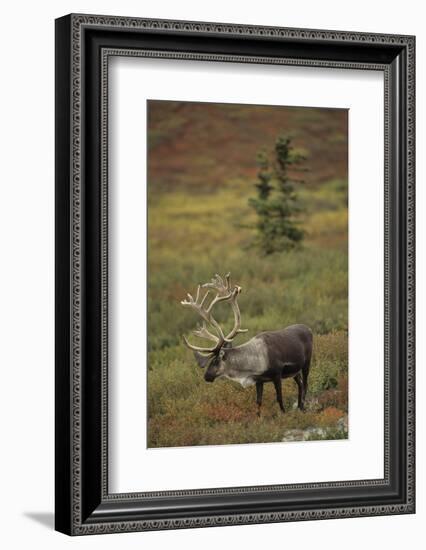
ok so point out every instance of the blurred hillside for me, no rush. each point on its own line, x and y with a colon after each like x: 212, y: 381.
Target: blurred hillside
x: 204, y: 145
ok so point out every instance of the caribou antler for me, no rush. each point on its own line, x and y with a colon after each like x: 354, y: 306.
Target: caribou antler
x: 223, y: 287
x: 224, y: 293
x: 202, y: 332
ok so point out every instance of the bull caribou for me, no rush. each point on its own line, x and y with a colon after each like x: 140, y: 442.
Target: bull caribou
x: 269, y: 356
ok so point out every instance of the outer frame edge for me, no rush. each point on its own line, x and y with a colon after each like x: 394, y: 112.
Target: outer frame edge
x: 76, y: 22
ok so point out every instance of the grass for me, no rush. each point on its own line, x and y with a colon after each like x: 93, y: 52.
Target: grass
x: 196, y: 231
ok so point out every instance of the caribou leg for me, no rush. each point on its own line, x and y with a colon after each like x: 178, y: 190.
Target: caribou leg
x: 301, y: 395
x: 305, y: 373
x: 259, y: 393
x: 279, y: 391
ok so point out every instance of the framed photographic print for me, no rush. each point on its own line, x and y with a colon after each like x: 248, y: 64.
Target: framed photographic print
x: 234, y: 274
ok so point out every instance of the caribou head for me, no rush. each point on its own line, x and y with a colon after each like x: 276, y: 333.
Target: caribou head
x: 212, y: 358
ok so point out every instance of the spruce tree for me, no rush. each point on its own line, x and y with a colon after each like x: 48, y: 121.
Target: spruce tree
x: 277, y: 204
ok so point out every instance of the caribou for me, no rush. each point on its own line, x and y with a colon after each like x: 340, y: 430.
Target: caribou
x: 269, y: 356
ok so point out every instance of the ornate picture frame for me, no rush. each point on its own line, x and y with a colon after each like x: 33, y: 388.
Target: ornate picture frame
x: 84, y: 45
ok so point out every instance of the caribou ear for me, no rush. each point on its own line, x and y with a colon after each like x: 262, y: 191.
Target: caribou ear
x: 221, y: 353
x: 202, y: 359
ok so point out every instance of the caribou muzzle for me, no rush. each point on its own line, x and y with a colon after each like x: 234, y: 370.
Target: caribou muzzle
x: 209, y: 377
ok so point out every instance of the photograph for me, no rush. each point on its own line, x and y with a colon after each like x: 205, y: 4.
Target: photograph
x: 247, y: 264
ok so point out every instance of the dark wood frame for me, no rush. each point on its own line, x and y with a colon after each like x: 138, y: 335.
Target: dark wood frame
x: 83, y: 45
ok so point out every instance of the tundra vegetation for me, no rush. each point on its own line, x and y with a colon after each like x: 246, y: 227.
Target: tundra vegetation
x: 200, y: 180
